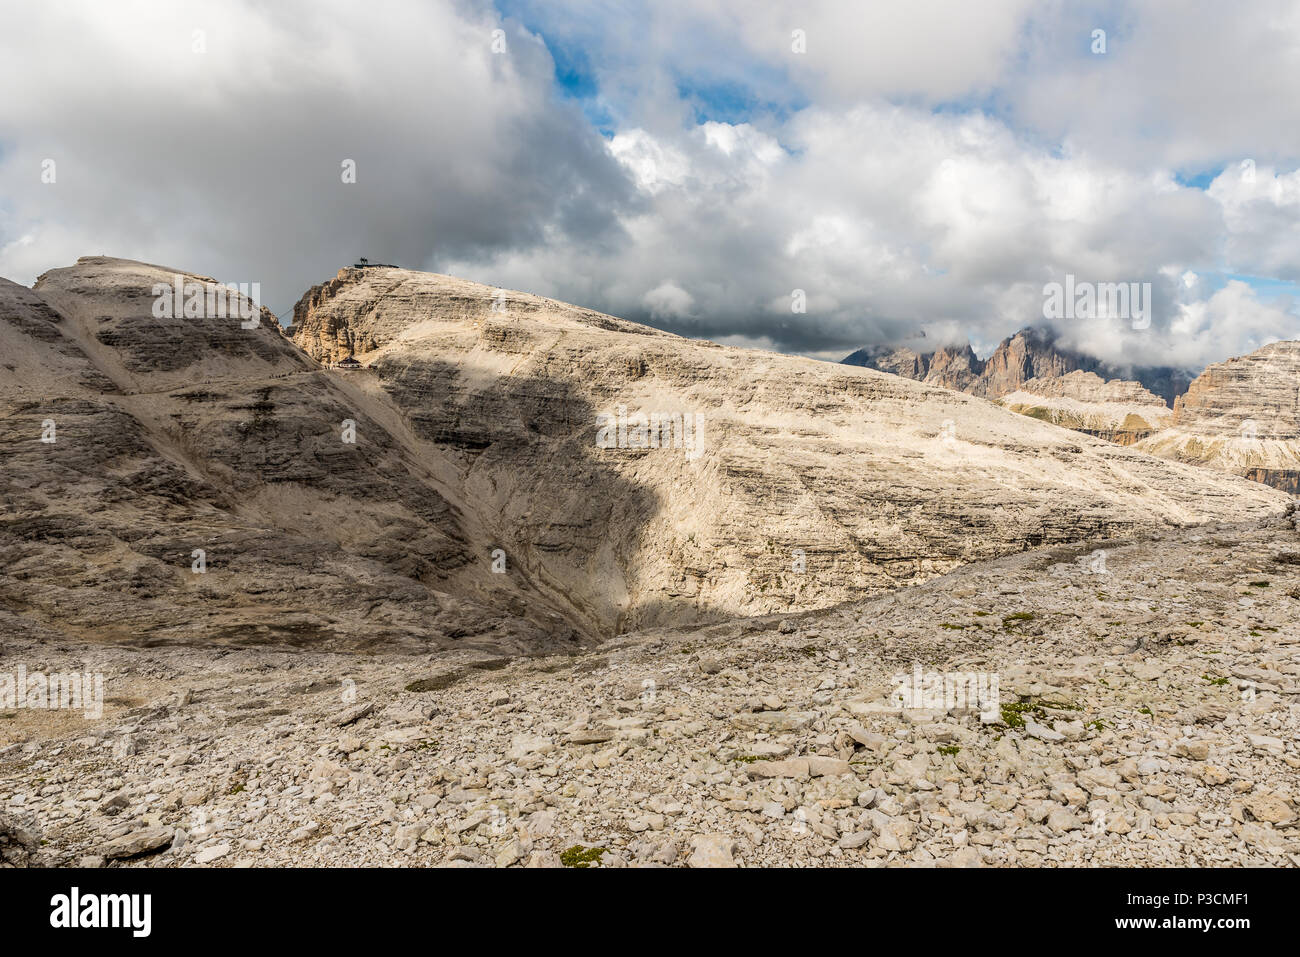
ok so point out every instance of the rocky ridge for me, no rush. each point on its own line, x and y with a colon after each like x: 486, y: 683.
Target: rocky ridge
x: 207, y: 481
x: 1032, y: 353
x: 185, y: 481
x: 1115, y: 410
x: 1241, y: 416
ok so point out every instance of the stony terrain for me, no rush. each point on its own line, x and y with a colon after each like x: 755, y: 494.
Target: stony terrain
x: 1242, y: 416
x: 1114, y: 410
x: 1147, y: 715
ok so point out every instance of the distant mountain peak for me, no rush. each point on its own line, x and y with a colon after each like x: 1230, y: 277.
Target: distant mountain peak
x: 1033, y: 352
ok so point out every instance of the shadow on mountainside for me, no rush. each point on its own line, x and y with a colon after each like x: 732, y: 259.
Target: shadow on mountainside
x: 568, y: 518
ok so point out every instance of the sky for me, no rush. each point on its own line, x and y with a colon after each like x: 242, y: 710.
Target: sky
x: 910, y: 173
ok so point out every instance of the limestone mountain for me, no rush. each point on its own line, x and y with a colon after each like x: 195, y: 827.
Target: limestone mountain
x: 183, y: 480
x: 813, y: 483
x: 1032, y: 353
x: 174, y: 479
x: 1115, y: 410
x: 1241, y: 416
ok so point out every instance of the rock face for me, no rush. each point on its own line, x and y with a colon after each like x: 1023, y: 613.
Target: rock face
x: 950, y: 367
x: 346, y: 316
x: 187, y: 481
x: 1118, y: 411
x: 807, y: 483
x: 1028, y: 354
x: 198, y: 480
x: 19, y: 843
x: 1031, y: 353
x: 1241, y: 416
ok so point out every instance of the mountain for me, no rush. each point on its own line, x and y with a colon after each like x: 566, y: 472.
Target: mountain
x: 817, y: 483
x: 487, y: 480
x: 1241, y: 416
x: 183, y: 481
x: 1032, y: 353
x: 1115, y: 410
x: 443, y: 593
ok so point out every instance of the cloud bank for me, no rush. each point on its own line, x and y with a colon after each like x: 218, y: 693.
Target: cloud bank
x: 709, y: 168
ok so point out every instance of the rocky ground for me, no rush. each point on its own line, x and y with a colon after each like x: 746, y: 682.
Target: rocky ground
x: 1147, y: 715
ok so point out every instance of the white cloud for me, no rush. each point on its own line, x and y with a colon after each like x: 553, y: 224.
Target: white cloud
x: 229, y: 161
x: 652, y: 165
x: 923, y: 167
x: 1261, y: 212
x: 669, y: 301
x: 958, y: 223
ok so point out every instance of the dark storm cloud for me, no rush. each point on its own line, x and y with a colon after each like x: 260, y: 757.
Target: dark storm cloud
x: 229, y: 160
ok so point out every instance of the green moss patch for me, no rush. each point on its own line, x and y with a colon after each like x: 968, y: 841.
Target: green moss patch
x: 579, y: 856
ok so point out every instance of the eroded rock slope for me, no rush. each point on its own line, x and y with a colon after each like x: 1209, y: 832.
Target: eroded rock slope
x: 812, y: 483
x: 1115, y: 410
x: 186, y: 480
x: 208, y: 482
x: 1241, y: 416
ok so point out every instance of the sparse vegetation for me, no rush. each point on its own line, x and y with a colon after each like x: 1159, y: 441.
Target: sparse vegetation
x: 1013, y: 715
x: 579, y: 856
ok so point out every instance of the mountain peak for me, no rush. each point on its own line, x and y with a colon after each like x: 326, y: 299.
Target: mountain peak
x: 333, y: 320
x: 1033, y: 352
